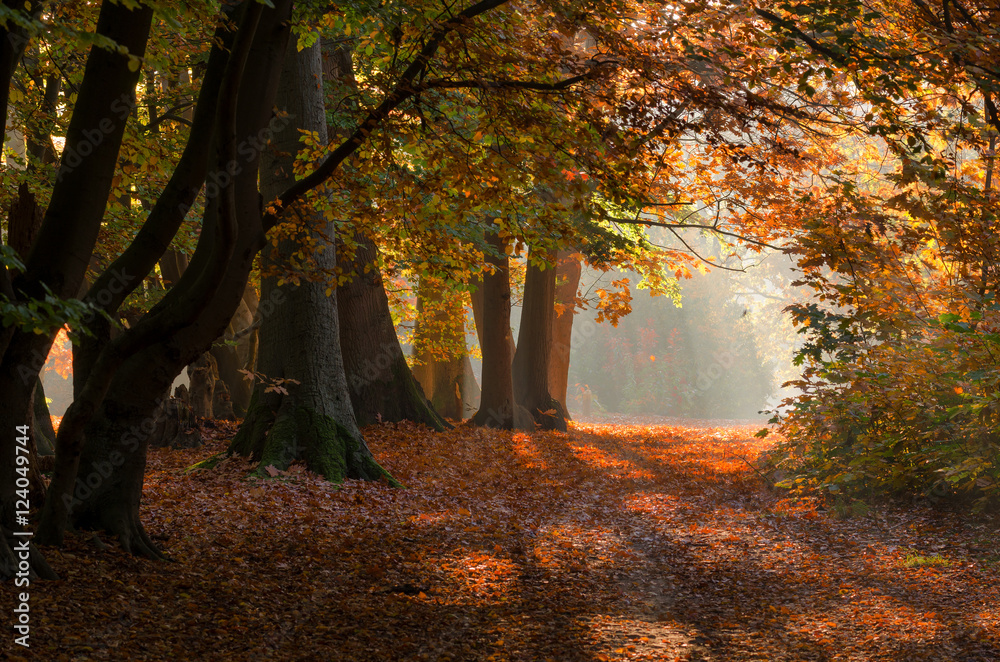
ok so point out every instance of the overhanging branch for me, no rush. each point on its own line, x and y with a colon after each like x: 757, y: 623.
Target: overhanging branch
x: 404, y: 89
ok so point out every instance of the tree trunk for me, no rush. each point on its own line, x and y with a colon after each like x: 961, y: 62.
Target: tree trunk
x: 568, y: 271
x: 230, y: 358
x: 238, y: 351
x: 39, y: 135
x: 497, y: 408
x: 69, y: 231
x: 381, y: 384
x: 101, y: 486
x: 45, y: 434
x: 477, y: 301
x: 469, y: 387
x: 202, y: 375
x: 173, y: 263
x: 534, y: 339
x: 311, y: 417
x: 442, y: 368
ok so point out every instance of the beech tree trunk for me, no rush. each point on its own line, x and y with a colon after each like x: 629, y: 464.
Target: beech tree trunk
x: 380, y: 382
x: 568, y: 270
x: 311, y: 418
x: 497, y: 408
x: 534, y: 349
x: 230, y: 358
x: 100, y: 485
x: 447, y: 380
x: 69, y: 231
x: 237, y: 351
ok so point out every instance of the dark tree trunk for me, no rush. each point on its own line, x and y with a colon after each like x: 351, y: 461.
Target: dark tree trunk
x: 39, y: 135
x: 202, y: 375
x: 381, y: 384
x: 152, y: 242
x: 133, y: 369
x: 61, y: 253
x: 311, y: 418
x: 13, y: 40
x: 568, y: 270
x: 534, y: 339
x: 497, y: 408
x: 103, y: 488
x: 234, y: 352
x: 45, y: 434
x: 172, y: 267
x: 23, y: 223
x: 237, y: 351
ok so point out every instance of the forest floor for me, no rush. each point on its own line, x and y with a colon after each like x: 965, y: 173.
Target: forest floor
x: 626, y: 540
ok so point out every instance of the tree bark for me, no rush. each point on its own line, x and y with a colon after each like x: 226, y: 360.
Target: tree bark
x: 568, y: 271
x: 381, y: 385
x: 39, y: 134
x: 442, y: 368
x: 534, y: 345
x: 61, y: 253
x: 311, y: 417
x: 236, y: 351
x: 497, y: 408
x: 102, y: 489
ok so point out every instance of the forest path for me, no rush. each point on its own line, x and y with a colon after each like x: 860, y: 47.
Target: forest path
x: 621, y: 540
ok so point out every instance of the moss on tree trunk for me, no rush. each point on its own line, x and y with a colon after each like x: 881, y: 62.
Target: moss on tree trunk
x: 305, y: 413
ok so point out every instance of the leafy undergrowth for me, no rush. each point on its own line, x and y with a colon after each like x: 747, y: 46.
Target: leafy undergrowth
x: 612, y: 542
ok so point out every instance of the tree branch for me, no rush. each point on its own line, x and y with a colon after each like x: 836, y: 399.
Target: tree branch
x: 691, y: 226
x: 404, y: 90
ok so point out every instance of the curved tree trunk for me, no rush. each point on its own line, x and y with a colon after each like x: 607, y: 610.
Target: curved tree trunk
x: 534, y: 340
x: 100, y: 485
x: 72, y: 220
x: 381, y: 384
x: 497, y: 408
x: 310, y: 418
x: 568, y: 271
x: 232, y: 352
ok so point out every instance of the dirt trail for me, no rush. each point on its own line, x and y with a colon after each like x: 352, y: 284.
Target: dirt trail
x: 617, y: 541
